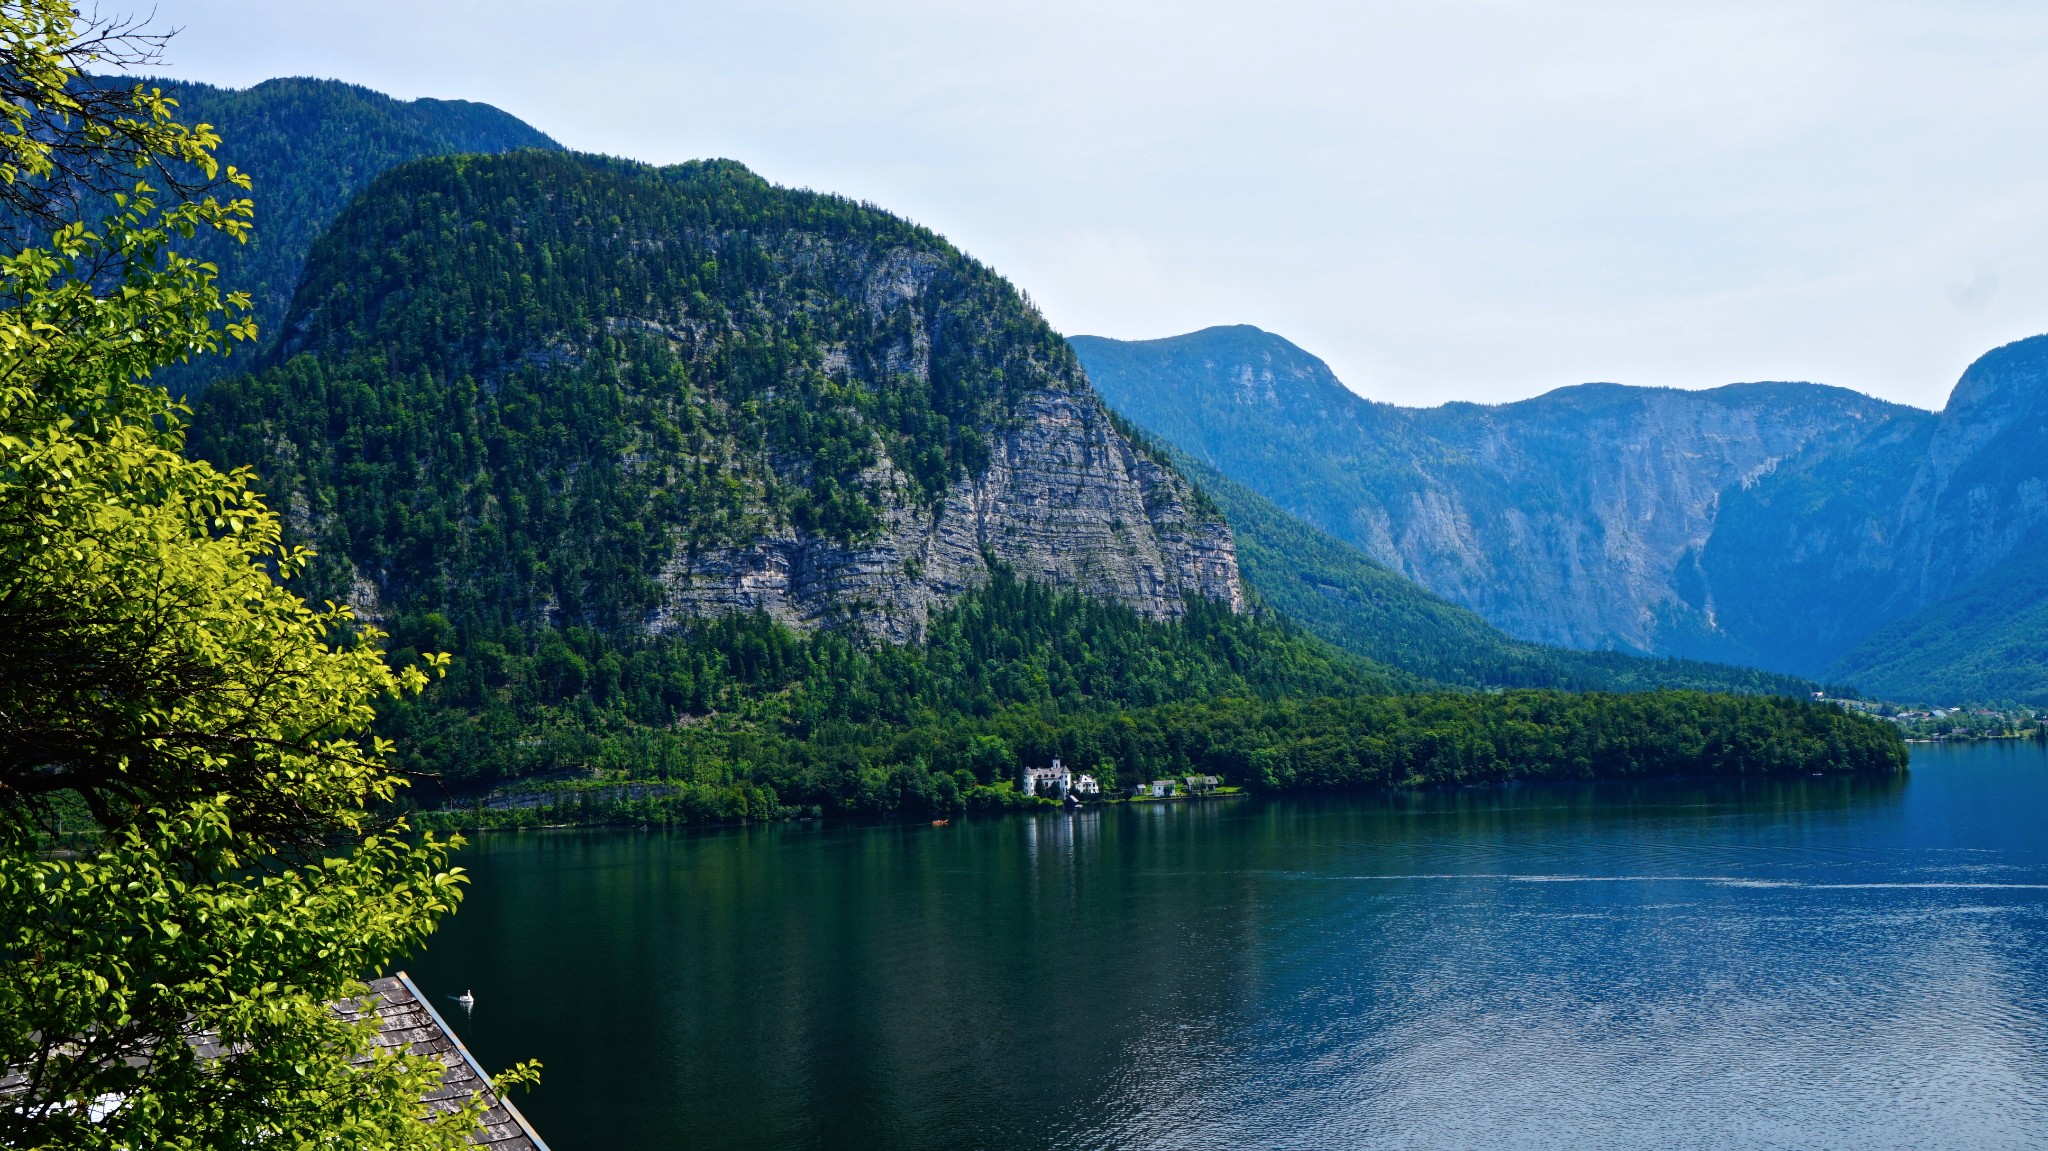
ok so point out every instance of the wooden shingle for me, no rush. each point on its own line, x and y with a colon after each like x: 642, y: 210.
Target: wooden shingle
x: 405, y: 1019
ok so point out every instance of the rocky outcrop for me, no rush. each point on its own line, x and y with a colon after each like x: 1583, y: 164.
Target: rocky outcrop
x: 1065, y: 499
x: 1982, y: 489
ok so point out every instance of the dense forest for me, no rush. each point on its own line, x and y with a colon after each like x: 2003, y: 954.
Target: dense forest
x: 308, y: 147
x: 521, y: 702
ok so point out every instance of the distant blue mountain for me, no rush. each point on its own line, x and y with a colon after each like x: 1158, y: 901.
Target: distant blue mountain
x: 1785, y: 525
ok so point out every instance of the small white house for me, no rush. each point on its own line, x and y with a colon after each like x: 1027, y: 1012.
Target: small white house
x: 1087, y: 785
x: 1161, y: 788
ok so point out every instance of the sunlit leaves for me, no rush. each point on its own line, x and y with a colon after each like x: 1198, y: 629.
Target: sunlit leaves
x: 187, y: 844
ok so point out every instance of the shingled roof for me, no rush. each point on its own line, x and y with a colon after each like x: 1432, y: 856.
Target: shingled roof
x: 406, y: 1019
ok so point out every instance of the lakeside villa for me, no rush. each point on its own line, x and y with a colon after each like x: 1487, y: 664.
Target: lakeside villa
x: 1057, y: 782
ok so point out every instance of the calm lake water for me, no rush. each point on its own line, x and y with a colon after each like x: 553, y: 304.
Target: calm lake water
x: 1799, y: 963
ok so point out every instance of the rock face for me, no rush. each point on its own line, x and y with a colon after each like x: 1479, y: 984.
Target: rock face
x: 1578, y: 518
x: 1981, y: 492
x: 1066, y: 500
x: 1775, y: 524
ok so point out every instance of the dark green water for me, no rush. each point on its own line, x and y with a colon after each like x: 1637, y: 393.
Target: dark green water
x: 1800, y: 963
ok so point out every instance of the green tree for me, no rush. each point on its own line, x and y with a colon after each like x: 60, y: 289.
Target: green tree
x: 189, y: 868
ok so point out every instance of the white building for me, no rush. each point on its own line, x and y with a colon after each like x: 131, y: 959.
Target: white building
x: 1087, y: 785
x: 1161, y: 788
x: 1053, y: 781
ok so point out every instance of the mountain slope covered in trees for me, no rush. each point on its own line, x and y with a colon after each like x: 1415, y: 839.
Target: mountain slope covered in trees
x: 541, y: 388
x: 1986, y: 643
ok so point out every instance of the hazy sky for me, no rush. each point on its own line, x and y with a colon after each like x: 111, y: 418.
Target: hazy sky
x: 1444, y: 199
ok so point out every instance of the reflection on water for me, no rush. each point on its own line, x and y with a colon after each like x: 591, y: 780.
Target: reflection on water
x: 1755, y: 963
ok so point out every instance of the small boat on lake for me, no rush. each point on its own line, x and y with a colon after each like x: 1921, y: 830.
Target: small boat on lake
x: 940, y: 822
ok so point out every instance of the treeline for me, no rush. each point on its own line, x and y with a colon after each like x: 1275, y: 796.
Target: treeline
x: 949, y: 764
x: 746, y: 718
x: 519, y: 703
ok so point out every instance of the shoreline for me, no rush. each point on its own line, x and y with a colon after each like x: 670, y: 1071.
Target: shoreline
x: 794, y: 816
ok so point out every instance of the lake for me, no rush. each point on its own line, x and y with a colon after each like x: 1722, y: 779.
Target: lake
x: 1747, y: 963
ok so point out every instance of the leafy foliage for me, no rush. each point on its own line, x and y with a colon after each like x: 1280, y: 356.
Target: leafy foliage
x: 188, y: 731
x: 67, y: 141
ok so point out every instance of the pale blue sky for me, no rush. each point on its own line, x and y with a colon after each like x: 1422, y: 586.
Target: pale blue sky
x: 1456, y: 199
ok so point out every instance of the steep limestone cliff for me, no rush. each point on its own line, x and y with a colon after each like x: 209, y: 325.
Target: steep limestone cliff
x: 1065, y: 500
x: 1982, y: 490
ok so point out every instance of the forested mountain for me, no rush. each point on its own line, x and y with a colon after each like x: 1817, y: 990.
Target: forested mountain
x: 557, y: 412
x: 544, y: 389
x: 1988, y: 641
x: 309, y: 146
x: 1780, y: 525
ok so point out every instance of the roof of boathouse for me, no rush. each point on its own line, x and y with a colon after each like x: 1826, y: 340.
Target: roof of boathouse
x: 406, y: 1019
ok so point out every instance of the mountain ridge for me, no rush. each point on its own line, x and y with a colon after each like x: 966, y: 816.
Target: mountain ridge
x: 309, y: 145
x: 1760, y: 523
